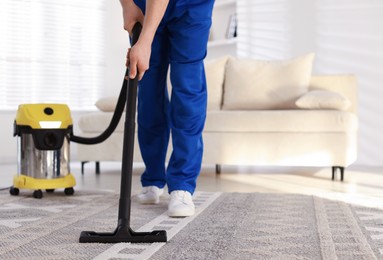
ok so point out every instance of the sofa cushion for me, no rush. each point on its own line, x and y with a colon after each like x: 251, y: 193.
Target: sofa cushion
x: 253, y: 84
x: 215, y: 72
x: 250, y: 121
x: 281, y: 121
x: 107, y: 104
x: 323, y: 99
x: 97, y: 122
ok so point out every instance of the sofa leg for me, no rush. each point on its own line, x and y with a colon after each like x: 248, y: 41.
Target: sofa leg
x: 341, y: 169
x: 217, y: 169
x: 82, y: 166
x: 97, y: 167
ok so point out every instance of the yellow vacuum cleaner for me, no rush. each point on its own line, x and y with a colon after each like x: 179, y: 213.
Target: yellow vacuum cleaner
x: 43, y: 135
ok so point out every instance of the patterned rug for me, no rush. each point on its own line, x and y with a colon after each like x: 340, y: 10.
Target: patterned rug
x: 225, y: 226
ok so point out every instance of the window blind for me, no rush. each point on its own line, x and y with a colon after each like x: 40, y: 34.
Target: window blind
x: 349, y: 34
x: 263, y: 29
x: 51, y: 51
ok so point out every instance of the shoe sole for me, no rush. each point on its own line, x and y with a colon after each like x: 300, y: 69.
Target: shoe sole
x: 152, y: 202
x: 180, y: 214
x: 148, y: 203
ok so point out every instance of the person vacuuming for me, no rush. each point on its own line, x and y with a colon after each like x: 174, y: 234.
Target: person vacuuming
x: 174, y: 34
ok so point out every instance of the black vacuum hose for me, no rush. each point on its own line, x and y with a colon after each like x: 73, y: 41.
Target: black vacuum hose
x: 112, y: 125
x: 119, y: 107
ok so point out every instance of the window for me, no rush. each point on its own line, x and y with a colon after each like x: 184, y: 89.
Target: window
x: 51, y: 52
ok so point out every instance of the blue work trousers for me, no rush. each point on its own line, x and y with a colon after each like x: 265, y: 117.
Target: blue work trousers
x: 179, y: 43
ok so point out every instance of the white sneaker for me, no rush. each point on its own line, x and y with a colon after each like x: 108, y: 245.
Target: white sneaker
x: 150, y: 195
x: 181, y: 204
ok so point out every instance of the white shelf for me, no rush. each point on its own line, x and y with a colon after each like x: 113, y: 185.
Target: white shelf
x: 224, y: 42
x: 223, y: 3
x: 219, y: 44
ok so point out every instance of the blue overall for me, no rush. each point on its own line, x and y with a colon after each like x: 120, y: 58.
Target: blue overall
x: 181, y: 42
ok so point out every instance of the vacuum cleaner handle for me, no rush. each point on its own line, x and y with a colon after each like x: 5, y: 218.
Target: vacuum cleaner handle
x: 123, y: 232
x: 120, y: 103
x: 136, y: 31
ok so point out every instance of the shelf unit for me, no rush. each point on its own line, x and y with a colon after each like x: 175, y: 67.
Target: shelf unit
x: 219, y: 44
x: 222, y: 3
x: 224, y: 42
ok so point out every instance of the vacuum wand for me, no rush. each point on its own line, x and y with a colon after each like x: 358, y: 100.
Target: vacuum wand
x: 123, y: 232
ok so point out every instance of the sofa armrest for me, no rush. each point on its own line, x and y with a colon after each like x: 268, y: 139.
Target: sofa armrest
x: 343, y: 84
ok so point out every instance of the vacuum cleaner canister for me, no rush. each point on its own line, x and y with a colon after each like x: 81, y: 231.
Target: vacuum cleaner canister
x: 43, y: 136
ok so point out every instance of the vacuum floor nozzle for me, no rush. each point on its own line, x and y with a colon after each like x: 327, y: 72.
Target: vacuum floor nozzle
x: 123, y: 235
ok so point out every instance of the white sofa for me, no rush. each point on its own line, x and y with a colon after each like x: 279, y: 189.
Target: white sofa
x: 314, y: 123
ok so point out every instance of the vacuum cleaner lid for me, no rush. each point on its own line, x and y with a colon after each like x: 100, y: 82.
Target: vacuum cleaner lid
x: 44, y: 116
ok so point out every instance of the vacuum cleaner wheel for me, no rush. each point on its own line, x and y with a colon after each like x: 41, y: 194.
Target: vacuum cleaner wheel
x: 69, y: 191
x: 14, y: 191
x: 37, y: 194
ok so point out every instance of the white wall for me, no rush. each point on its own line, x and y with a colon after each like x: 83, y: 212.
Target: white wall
x: 349, y: 38
x: 346, y: 36
x: 117, y: 44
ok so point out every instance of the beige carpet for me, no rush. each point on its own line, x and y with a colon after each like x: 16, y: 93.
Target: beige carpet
x: 226, y: 226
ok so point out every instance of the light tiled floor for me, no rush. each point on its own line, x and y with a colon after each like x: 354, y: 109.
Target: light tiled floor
x: 362, y: 185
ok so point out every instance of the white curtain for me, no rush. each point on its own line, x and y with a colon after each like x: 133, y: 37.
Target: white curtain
x: 51, y: 51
